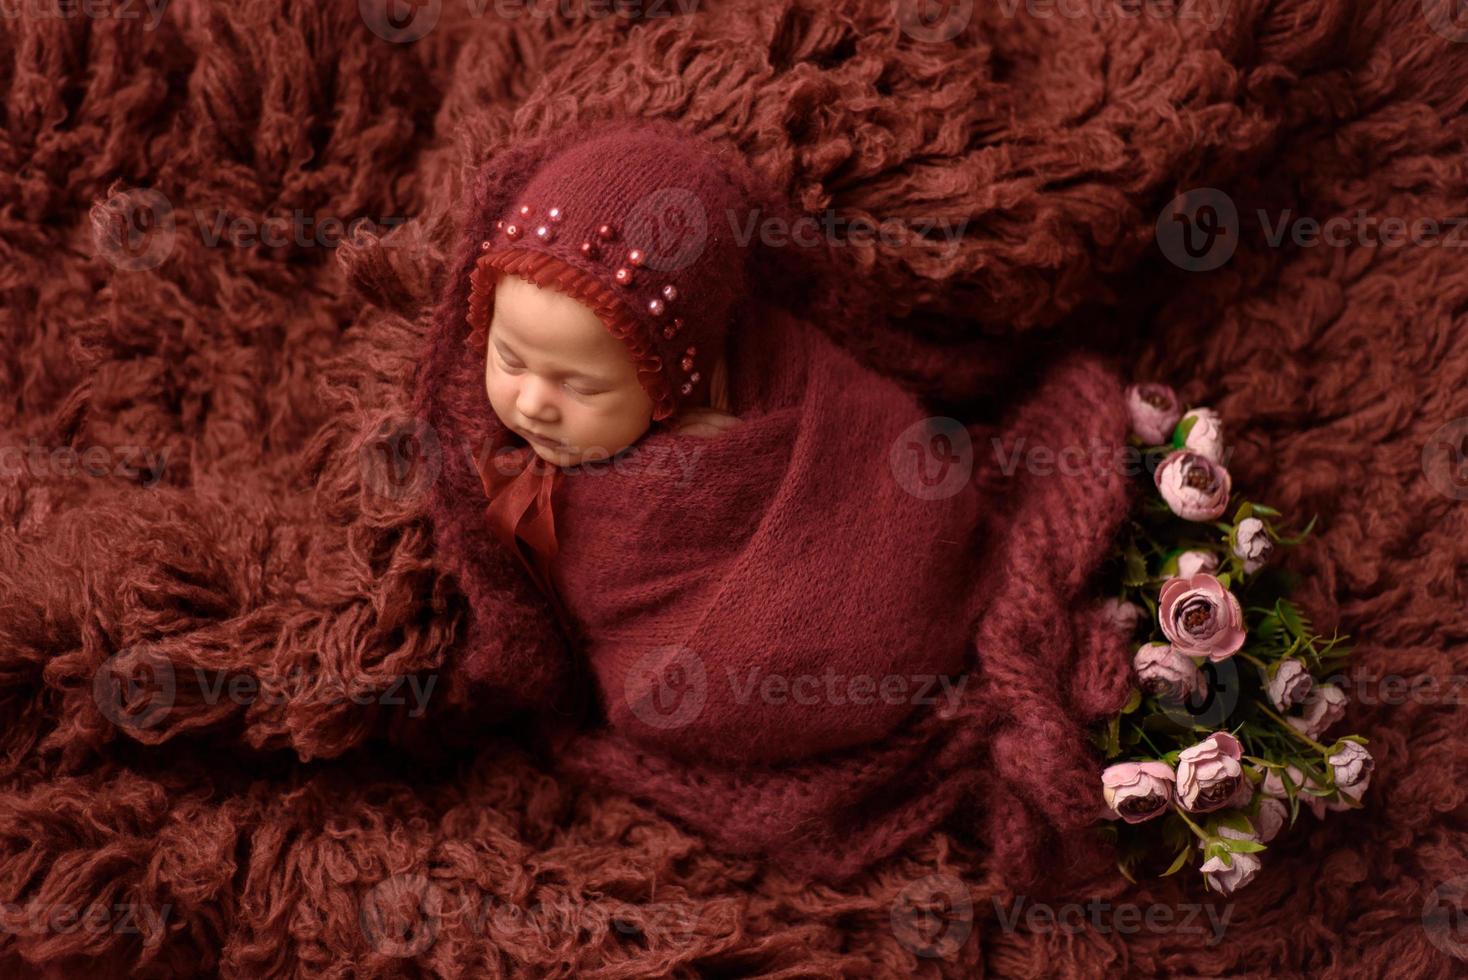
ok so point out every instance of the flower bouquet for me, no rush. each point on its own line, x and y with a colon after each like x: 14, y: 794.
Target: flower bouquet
x: 1223, y: 737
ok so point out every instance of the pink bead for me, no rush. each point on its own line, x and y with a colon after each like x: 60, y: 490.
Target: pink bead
x: 589, y: 249
x: 512, y: 230
x: 687, y: 389
x: 668, y: 332
x: 554, y: 214
x: 524, y: 210
x: 485, y: 246
x: 691, y: 351
x: 694, y: 377
x: 544, y: 232
x: 655, y: 307
x: 623, y: 276
x: 499, y: 225
x: 606, y: 233
x: 634, y: 257
x: 677, y: 323
x: 670, y: 292
x: 687, y: 363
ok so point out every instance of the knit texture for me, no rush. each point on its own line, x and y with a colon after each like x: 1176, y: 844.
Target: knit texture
x: 287, y: 542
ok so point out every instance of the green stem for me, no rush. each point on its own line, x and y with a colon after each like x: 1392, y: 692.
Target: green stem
x: 1293, y: 730
x: 1254, y: 660
x: 1202, y: 834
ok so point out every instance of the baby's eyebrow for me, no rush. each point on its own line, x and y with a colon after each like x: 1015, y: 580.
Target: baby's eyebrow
x: 578, y: 375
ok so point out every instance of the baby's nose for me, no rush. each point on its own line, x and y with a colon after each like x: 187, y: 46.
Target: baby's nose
x: 536, y: 400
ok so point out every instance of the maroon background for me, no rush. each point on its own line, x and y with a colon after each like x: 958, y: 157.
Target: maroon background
x: 269, y: 546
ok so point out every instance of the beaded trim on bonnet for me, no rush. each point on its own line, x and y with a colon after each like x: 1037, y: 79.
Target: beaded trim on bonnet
x: 592, y: 222
x: 548, y: 272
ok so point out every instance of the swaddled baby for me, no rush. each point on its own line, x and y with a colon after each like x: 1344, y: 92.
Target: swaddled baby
x: 739, y: 525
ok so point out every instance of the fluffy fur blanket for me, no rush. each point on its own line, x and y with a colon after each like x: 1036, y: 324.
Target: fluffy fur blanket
x: 210, y: 479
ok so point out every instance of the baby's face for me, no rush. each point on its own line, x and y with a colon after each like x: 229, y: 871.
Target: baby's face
x: 552, y: 370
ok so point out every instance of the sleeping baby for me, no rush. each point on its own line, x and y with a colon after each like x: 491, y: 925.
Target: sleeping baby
x: 803, y: 586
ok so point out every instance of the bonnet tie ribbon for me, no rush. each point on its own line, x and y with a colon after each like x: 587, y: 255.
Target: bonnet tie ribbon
x: 520, y: 486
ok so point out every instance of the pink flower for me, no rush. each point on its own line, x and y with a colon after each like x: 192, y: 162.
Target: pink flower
x: 1289, y: 683
x: 1191, y: 563
x: 1165, y: 673
x: 1324, y: 706
x: 1194, y: 486
x: 1122, y: 614
x: 1208, y: 774
x: 1154, y: 410
x: 1201, y: 617
x: 1271, y: 818
x: 1206, y: 436
x: 1227, y: 878
x: 1274, y: 786
x: 1351, y: 765
x: 1252, y: 544
x: 1137, y: 791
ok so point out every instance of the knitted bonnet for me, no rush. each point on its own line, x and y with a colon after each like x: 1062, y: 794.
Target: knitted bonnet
x: 639, y: 221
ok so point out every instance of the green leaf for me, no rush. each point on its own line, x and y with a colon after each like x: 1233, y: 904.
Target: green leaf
x: 1133, y: 701
x: 1180, y: 434
x: 1225, y: 580
x: 1290, y: 616
x: 1177, y: 862
x: 1120, y: 866
x: 1244, y: 513
x: 1242, y: 846
x: 1262, y: 511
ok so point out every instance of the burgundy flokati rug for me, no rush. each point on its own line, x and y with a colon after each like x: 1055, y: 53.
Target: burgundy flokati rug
x: 206, y: 460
